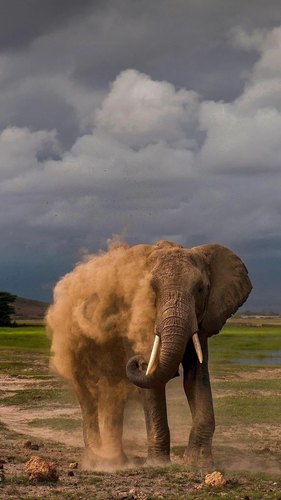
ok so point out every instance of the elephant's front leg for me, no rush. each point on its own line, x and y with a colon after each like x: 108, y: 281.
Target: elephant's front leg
x: 198, y: 391
x: 158, y: 433
x: 111, y: 412
x: 88, y: 400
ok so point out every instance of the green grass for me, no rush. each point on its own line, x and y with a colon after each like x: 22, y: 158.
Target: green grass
x: 254, y: 400
x: 57, y: 423
x: 233, y: 341
x: 24, y: 352
x: 38, y: 397
x: 19, y: 366
x: 247, y: 409
x: 246, y: 386
x: 17, y: 480
x: 29, y: 338
x: 24, y: 364
x: 30, y: 322
x: 232, y: 348
x: 2, y: 426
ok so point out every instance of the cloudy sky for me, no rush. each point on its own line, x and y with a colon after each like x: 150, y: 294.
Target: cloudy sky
x: 154, y: 119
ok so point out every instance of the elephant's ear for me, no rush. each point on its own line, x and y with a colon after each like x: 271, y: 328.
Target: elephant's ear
x: 229, y: 286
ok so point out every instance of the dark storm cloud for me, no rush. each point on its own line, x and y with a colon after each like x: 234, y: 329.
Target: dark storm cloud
x: 185, y: 42
x: 23, y: 20
x: 78, y: 48
x: 159, y: 119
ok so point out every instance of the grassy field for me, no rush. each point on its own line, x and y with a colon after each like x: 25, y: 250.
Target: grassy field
x: 245, y: 371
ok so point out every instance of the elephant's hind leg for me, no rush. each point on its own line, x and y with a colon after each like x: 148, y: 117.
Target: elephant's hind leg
x: 198, y: 391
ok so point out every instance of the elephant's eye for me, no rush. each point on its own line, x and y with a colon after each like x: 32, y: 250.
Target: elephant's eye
x: 200, y: 289
x: 154, y: 285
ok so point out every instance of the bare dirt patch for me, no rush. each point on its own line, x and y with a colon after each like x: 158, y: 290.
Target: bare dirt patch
x: 18, y: 420
x: 8, y: 383
x: 244, y: 453
x: 261, y: 373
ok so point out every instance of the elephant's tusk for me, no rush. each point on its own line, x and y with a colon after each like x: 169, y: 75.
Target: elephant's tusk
x: 153, y: 355
x: 197, y: 347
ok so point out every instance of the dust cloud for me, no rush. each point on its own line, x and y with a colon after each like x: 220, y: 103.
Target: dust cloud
x: 105, y: 297
x: 103, y: 313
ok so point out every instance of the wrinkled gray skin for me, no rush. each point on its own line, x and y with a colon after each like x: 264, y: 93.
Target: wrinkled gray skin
x: 196, y: 290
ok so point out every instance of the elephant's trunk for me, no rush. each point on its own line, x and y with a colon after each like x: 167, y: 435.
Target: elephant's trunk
x: 175, y: 325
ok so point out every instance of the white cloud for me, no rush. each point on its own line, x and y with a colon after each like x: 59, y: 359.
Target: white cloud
x: 238, y: 141
x: 241, y: 39
x: 139, y: 111
x: 269, y: 64
x: 20, y: 150
x: 245, y: 135
x: 264, y: 86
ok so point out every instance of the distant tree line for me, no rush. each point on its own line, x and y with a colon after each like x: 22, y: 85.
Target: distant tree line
x: 7, y: 309
x: 257, y: 313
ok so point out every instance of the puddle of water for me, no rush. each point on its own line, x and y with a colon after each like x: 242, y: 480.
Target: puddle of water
x: 267, y: 358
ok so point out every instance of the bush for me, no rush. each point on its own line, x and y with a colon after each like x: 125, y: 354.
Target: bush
x: 6, y: 308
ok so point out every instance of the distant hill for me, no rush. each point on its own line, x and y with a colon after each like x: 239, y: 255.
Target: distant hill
x: 29, y: 309
x: 36, y: 309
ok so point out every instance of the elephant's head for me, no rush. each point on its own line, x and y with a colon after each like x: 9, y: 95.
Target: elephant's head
x: 196, y: 289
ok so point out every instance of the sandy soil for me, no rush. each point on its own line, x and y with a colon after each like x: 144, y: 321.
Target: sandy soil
x: 238, y: 450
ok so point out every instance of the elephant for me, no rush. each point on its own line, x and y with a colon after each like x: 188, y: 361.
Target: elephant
x: 114, y: 309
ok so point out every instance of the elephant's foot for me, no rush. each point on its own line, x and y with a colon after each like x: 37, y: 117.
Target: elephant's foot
x: 199, y: 457
x: 101, y: 460
x: 158, y: 459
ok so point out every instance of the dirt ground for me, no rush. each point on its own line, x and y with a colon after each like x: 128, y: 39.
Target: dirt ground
x: 248, y: 456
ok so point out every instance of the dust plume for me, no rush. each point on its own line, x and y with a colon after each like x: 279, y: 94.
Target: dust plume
x: 103, y: 313
x: 106, y: 297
